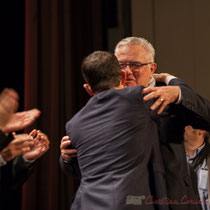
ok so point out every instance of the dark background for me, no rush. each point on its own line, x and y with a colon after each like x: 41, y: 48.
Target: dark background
x: 12, y: 20
x: 12, y: 36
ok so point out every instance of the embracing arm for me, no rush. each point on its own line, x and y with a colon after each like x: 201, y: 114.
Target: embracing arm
x: 195, y: 108
x: 71, y: 167
x: 68, y: 159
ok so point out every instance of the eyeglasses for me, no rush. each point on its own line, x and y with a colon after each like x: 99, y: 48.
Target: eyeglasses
x: 132, y: 65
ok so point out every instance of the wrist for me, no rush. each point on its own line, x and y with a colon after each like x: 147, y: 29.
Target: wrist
x: 26, y: 159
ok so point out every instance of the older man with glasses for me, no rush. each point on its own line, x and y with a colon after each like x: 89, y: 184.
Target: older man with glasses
x: 136, y: 56
x: 185, y: 107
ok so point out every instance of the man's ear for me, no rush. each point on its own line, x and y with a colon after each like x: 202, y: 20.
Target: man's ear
x: 88, y: 89
x: 153, y: 67
x: 123, y: 76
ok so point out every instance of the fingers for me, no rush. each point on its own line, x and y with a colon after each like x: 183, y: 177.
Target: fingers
x: 33, y: 113
x: 161, y: 77
x: 18, y: 146
x: 68, y: 157
x: 158, y: 102
x: 22, y: 138
x: 8, y: 105
x: 153, y: 93
x: 43, y: 140
x: 70, y: 152
x: 11, y: 93
x: 9, y: 100
x: 30, y: 116
x: 66, y: 153
x: 65, y: 138
x: 21, y: 120
x: 162, y: 107
x: 165, y: 95
x: 65, y: 144
x: 33, y: 133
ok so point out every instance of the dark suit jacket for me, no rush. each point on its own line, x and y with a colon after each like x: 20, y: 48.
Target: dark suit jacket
x: 116, y: 140
x: 193, y: 110
x: 12, y: 176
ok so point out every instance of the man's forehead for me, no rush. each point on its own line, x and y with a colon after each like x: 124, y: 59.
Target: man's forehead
x: 131, y: 53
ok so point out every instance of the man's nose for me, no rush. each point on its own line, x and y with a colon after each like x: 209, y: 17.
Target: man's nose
x: 128, y: 69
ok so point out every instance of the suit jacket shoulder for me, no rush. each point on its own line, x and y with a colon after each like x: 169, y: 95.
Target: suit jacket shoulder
x: 196, y: 107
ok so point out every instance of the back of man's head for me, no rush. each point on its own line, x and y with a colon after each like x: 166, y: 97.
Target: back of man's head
x: 101, y: 71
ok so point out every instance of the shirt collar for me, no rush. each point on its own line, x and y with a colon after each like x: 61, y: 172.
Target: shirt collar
x: 152, y: 82
x: 196, y: 151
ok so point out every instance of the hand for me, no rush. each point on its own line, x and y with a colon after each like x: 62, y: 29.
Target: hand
x: 18, y: 146
x: 21, y: 120
x: 66, y: 153
x: 165, y: 95
x: 161, y: 77
x: 8, y: 105
x: 40, y: 146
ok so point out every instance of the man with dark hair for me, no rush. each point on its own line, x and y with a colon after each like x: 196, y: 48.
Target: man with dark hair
x: 137, y: 57
x: 98, y: 76
x: 115, y: 138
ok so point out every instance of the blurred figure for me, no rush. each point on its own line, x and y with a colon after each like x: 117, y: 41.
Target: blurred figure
x: 18, y: 152
x: 11, y: 121
x: 197, y: 149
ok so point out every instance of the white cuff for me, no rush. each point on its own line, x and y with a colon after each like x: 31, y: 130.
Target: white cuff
x: 2, y: 161
x: 167, y: 80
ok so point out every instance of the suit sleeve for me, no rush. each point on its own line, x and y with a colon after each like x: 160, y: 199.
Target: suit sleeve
x: 196, y: 108
x: 15, y: 173
x: 71, y: 167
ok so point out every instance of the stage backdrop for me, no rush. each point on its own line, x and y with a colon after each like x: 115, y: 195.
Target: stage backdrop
x: 180, y: 33
x: 58, y: 35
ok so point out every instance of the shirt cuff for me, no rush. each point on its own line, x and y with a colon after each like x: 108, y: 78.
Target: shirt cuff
x: 27, y: 162
x: 2, y: 161
x: 167, y: 80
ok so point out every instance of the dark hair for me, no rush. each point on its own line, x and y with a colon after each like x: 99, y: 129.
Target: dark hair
x: 207, y: 137
x: 101, y: 70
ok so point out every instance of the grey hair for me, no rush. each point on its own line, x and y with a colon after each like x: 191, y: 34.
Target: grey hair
x: 137, y: 41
